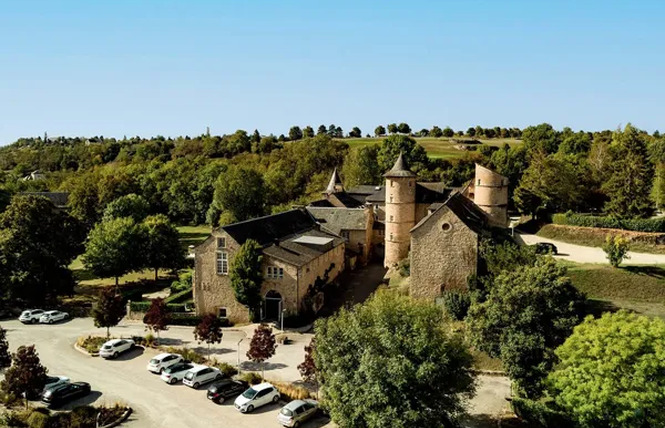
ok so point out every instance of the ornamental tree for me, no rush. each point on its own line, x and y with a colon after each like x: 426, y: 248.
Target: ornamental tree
x: 157, y: 317
x: 262, y: 346
x: 612, y: 372
x: 246, y: 276
x: 616, y: 249
x: 26, y: 376
x: 392, y: 362
x: 209, y: 330
x: 528, y: 312
x: 109, y: 309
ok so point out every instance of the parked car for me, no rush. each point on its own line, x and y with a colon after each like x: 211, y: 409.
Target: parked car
x: 201, y: 375
x: 60, y: 394
x: 162, y: 362
x: 115, y: 347
x: 297, y: 412
x: 31, y: 316
x: 177, y: 372
x: 53, y: 316
x: 52, y: 381
x: 226, y: 388
x: 257, y: 396
x: 546, y: 248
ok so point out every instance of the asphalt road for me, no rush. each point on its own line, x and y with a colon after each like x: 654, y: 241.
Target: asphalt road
x: 126, y: 380
x: 584, y: 254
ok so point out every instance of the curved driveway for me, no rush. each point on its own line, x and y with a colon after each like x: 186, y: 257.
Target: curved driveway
x: 584, y: 254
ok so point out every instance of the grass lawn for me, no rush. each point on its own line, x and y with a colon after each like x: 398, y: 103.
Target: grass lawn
x: 638, y: 288
x: 437, y: 147
x: 87, y: 281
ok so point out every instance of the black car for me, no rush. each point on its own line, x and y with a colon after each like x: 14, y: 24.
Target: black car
x: 546, y: 248
x: 58, y: 395
x: 226, y: 388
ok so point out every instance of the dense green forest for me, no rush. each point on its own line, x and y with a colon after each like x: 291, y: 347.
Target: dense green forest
x: 215, y: 179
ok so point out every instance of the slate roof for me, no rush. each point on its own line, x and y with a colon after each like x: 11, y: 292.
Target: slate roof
x: 400, y: 169
x: 338, y: 219
x: 271, y: 228
x: 298, y: 254
x: 426, y: 193
x: 59, y: 199
x: 321, y: 203
x: 467, y: 211
x: 347, y: 200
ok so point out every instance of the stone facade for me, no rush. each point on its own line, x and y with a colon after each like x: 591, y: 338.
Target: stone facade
x: 444, y: 252
x: 400, y: 218
x: 490, y: 193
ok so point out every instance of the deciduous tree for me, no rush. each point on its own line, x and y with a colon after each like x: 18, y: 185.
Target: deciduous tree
x: 528, y: 313
x: 131, y: 205
x: 611, y: 372
x: 247, y: 276
x: 355, y: 132
x: 162, y: 247
x: 404, y: 128
x: 295, y: 133
x: 209, y: 330
x: 392, y: 362
x: 448, y: 132
x: 157, y: 318
x: 262, y: 346
x: 436, y: 132
x: 109, y: 309
x: 308, y: 132
x: 241, y: 191
x: 379, y: 131
x: 616, y: 249
x: 26, y: 376
x: 392, y: 128
x: 5, y: 356
x: 414, y: 154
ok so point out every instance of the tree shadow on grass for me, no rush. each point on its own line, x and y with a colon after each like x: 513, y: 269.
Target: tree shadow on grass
x: 203, y: 350
x: 167, y: 341
x: 258, y: 367
x: 652, y: 271
x: 597, y: 308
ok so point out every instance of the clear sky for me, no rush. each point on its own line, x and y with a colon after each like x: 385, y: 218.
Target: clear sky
x: 132, y: 67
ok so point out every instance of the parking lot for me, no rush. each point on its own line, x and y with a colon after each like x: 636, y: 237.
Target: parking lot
x: 126, y: 379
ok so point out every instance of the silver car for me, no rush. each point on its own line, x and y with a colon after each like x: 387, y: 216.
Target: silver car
x: 297, y: 412
x: 115, y: 347
x: 53, y: 316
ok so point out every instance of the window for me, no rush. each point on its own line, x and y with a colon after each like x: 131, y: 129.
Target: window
x: 345, y: 234
x: 222, y: 312
x: 392, y: 183
x: 446, y: 227
x: 391, y: 218
x: 222, y: 263
x: 221, y: 242
x: 391, y: 236
x: 479, y: 181
x: 274, y: 272
x: 391, y: 198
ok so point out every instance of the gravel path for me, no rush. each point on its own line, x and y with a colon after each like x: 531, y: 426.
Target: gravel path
x: 583, y: 254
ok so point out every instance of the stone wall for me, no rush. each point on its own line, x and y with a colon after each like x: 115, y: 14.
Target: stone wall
x: 400, y: 218
x: 444, y: 252
x: 491, y: 195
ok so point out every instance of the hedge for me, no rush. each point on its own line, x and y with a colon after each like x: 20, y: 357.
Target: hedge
x: 539, y: 414
x: 144, y: 306
x: 193, y: 320
x: 178, y: 297
x: 656, y: 225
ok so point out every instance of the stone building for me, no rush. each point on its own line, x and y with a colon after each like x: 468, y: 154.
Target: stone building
x: 298, y: 255
x: 355, y: 225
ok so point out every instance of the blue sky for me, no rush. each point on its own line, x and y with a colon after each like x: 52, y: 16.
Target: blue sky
x: 121, y: 67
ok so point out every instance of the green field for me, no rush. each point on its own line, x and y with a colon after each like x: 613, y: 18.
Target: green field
x: 443, y: 148
x: 189, y: 235
x: 637, y: 288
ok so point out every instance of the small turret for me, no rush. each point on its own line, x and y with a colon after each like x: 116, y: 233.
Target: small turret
x: 335, y: 185
x: 400, y: 211
x: 491, y: 195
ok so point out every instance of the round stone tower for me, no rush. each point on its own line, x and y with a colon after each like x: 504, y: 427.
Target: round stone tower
x: 491, y: 195
x: 400, y: 211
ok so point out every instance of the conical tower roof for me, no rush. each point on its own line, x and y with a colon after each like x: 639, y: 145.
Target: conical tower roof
x: 400, y: 169
x: 335, y: 181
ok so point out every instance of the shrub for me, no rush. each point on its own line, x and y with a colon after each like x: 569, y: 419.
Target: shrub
x: 144, y: 306
x: 251, y: 378
x: 291, y: 392
x: 539, y: 414
x: 110, y: 414
x: 404, y: 267
x: 616, y: 249
x: 38, y: 419
x: 637, y: 224
x: 149, y: 340
x: 457, y: 304
x: 91, y: 343
x: 227, y: 369
x: 180, y: 297
x: 83, y: 417
x: 188, y: 354
x: 183, y: 282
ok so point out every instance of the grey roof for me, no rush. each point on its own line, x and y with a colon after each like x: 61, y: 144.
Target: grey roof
x: 338, y: 219
x: 334, y: 181
x: 59, y: 199
x: 426, y: 193
x: 271, y: 228
x: 299, y: 254
x: 363, y: 189
x: 400, y: 169
x: 467, y: 211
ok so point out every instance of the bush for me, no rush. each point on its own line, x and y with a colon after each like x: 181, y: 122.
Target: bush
x: 179, y: 297
x: 147, y: 342
x: 539, y: 414
x: 83, y: 417
x: 251, y: 378
x: 404, y: 267
x: 292, y: 392
x: 38, y: 419
x: 144, y: 306
x: 110, y: 414
x: 656, y: 225
x: 183, y: 282
x: 91, y: 343
x: 457, y: 304
x: 188, y: 354
x: 193, y: 320
x: 227, y: 369
x: 616, y: 249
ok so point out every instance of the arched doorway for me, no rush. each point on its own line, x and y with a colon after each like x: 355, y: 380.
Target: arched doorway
x: 273, y: 305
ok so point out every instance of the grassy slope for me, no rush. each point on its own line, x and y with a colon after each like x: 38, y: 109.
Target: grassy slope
x: 436, y: 147
x: 591, y: 237
x: 189, y: 235
x: 638, y: 288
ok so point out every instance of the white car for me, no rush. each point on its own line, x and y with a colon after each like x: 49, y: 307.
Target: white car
x: 115, y: 347
x: 201, y: 375
x: 297, y: 412
x: 177, y: 372
x: 53, y: 316
x: 163, y: 361
x: 31, y: 316
x: 52, y: 381
x: 257, y: 396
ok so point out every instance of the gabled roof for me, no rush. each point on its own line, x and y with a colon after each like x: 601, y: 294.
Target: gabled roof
x: 400, y: 169
x: 338, y: 219
x: 426, y: 193
x: 334, y: 182
x: 294, y: 250
x: 271, y: 228
x: 468, y: 212
x: 347, y: 200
